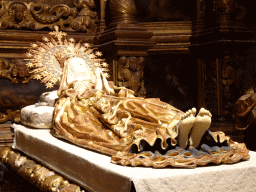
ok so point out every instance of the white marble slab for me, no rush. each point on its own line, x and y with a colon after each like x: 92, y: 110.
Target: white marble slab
x: 94, y: 172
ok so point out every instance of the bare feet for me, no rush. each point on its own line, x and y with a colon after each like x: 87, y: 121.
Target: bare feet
x: 202, y: 123
x: 186, y: 123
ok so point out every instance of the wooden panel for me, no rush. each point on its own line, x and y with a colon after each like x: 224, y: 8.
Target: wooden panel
x: 6, y: 135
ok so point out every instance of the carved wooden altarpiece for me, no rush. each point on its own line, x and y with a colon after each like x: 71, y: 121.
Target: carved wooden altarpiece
x: 220, y: 41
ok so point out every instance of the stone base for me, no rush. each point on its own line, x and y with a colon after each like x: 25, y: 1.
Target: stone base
x: 94, y: 172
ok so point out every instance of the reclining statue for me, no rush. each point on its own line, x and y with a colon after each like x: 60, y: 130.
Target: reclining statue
x: 93, y: 113
x: 111, y: 119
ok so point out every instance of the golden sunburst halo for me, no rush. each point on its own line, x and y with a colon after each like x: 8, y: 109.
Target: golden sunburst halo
x: 38, y: 77
x: 29, y: 64
x: 42, y: 57
x: 49, y: 85
x: 104, y: 64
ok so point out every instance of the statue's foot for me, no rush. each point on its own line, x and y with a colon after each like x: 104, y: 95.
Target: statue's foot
x: 186, y: 123
x: 202, y: 123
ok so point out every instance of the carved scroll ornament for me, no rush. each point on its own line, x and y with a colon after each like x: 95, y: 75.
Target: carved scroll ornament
x: 10, y: 115
x: 36, y: 16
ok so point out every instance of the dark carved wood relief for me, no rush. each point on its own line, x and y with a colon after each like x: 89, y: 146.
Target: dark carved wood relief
x: 16, y: 71
x: 230, y: 8
x: 130, y: 74
x: 74, y: 16
x: 17, y: 89
x: 13, y: 97
x: 233, y: 75
x: 223, y: 84
x: 165, y: 10
x: 210, y: 85
x: 86, y: 18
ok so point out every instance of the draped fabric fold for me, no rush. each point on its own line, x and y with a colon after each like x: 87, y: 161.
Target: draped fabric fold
x: 113, y: 123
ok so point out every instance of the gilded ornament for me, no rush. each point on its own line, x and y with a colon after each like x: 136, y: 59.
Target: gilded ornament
x: 43, y: 178
x: 2, y: 8
x: 4, y: 154
x: 38, y: 15
x: 86, y: 18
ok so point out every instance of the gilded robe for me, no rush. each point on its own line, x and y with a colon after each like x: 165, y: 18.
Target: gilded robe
x: 112, y: 122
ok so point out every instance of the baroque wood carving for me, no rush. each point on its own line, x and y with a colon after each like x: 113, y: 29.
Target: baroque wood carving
x: 130, y: 74
x: 223, y: 84
x: 16, y: 89
x: 228, y: 7
x: 43, y: 178
x: 79, y: 16
x: 16, y: 71
x: 123, y: 11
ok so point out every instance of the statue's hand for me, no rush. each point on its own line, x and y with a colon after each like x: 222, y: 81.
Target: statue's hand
x: 72, y: 84
x: 98, y: 81
x: 71, y: 92
x: 90, y: 93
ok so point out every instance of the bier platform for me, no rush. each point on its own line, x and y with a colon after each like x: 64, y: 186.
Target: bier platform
x: 95, y: 172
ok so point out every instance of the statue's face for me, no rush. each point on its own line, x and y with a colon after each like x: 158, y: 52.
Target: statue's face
x: 79, y: 69
x: 78, y: 65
